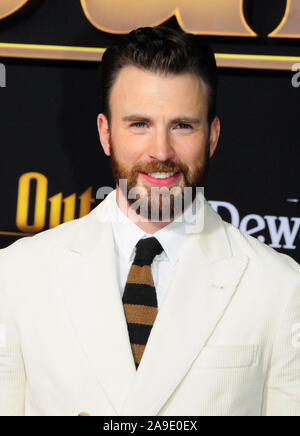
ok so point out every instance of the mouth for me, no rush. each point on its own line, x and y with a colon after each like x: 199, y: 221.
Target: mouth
x: 160, y: 178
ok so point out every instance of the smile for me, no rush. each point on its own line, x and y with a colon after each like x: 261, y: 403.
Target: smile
x: 161, y: 178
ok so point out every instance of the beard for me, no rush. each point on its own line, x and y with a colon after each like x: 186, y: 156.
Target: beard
x: 169, y: 202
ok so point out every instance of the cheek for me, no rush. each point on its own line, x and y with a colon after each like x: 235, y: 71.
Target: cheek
x: 191, y: 152
x: 129, y: 147
x: 191, y: 144
x: 125, y: 150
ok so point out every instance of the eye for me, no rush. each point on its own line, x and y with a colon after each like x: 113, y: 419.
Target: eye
x: 138, y: 124
x: 183, y: 126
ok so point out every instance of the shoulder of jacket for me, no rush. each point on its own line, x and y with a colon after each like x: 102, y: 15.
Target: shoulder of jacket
x: 258, y: 250
x: 63, y: 233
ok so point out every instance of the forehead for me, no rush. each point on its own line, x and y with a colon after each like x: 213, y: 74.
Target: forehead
x: 139, y: 89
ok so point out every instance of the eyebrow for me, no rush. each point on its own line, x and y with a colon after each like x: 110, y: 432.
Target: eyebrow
x: 140, y: 117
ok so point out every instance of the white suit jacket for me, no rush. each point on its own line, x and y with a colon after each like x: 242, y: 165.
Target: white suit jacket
x: 224, y: 341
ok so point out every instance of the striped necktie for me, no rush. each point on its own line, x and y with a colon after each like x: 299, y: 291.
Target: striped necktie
x: 139, y: 298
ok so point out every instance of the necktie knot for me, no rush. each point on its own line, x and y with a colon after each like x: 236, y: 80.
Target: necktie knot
x: 146, y: 250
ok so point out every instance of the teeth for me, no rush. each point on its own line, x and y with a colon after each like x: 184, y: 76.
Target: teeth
x: 161, y: 175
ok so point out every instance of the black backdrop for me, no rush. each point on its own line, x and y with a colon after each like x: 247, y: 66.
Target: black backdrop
x: 48, y: 124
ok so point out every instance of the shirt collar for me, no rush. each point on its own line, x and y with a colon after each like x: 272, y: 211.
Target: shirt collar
x: 127, y: 234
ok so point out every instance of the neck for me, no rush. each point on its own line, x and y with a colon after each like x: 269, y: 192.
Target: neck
x: 147, y: 226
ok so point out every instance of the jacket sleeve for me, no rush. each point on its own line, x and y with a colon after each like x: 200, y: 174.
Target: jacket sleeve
x: 12, y: 372
x: 282, y: 388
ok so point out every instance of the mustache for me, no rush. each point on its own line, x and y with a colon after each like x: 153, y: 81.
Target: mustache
x: 168, y: 167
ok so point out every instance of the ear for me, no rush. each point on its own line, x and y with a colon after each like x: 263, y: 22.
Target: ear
x: 104, y: 133
x: 215, y: 128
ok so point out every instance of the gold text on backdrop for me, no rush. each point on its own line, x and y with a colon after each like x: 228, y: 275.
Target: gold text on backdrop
x: 9, y: 7
x: 56, y: 204
x: 202, y: 17
x: 289, y: 25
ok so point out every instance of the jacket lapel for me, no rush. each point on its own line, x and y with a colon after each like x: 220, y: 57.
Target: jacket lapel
x: 88, y: 275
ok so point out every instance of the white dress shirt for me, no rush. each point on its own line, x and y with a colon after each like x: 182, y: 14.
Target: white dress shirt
x: 126, y: 236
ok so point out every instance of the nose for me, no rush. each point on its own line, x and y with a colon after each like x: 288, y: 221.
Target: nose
x: 161, y: 147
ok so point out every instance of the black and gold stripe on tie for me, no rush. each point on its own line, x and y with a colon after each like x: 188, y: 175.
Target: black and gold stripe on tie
x: 139, y: 298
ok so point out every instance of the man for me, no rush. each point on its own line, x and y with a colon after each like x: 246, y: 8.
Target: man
x: 118, y: 313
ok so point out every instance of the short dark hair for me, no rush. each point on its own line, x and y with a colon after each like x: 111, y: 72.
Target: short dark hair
x: 161, y: 50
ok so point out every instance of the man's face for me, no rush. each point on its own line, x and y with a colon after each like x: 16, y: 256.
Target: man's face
x: 158, y: 125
